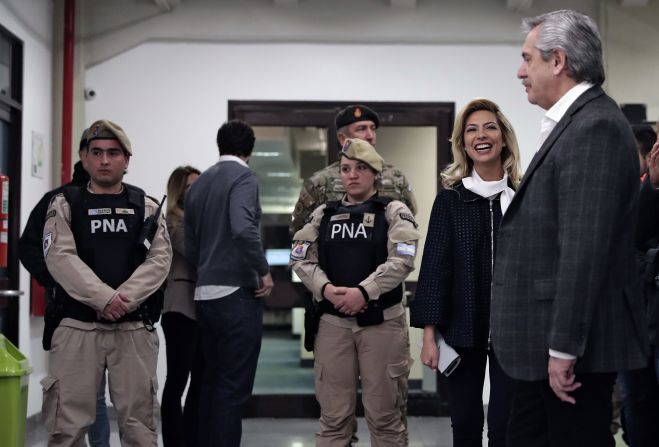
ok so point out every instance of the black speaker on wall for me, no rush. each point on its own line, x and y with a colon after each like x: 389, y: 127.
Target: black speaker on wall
x: 635, y: 113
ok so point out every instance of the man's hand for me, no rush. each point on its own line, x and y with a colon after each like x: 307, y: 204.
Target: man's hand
x: 352, y: 302
x: 562, y: 378
x: 429, y: 351
x: 266, y: 286
x: 116, y: 308
x: 653, y: 165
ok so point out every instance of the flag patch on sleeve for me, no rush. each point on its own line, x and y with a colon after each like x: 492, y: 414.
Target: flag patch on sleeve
x: 404, y: 249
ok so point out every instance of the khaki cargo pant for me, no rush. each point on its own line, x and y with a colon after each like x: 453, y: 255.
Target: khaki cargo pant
x: 380, y: 356
x: 78, y: 359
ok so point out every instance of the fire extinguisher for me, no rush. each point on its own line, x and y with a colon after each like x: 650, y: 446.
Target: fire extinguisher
x: 4, y: 219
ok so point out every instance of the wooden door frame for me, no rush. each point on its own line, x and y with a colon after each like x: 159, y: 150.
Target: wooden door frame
x: 321, y: 114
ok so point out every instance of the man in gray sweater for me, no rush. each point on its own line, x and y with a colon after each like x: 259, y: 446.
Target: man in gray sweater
x: 222, y: 239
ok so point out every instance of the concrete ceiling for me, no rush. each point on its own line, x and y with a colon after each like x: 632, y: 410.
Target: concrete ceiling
x: 107, y: 29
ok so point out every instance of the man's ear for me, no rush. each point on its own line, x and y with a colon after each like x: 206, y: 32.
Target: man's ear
x: 559, y: 61
x: 341, y: 137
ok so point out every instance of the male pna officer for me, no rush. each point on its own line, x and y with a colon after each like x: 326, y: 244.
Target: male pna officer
x: 107, y: 248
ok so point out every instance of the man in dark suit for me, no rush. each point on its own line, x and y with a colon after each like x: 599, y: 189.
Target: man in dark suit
x: 567, y: 311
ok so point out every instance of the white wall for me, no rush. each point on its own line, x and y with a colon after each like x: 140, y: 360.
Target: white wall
x: 413, y: 150
x: 30, y: 21
x: 171, y: 98
x: 631, y: 41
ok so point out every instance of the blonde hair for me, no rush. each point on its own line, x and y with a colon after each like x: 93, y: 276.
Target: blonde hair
x: 176, y: 186
x: 462, y: 165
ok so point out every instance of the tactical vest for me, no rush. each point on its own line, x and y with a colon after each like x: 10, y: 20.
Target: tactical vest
x: 352, y: 243
x: 105, y: 228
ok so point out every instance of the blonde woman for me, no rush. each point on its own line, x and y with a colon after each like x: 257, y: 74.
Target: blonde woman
x: 453, y: 292
x: 179, y: 427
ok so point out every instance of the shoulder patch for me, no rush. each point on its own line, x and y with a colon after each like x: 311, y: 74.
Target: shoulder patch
x: 47, y: 243
x: 409, y: 218
x: 299, y: 251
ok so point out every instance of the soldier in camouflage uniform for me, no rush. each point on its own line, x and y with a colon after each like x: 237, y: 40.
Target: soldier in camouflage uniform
x: 355, y: 121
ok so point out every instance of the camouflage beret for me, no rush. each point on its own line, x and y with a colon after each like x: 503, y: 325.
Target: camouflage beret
x: 356, y: 149
x: 354, y: 113
x: 107, y: 130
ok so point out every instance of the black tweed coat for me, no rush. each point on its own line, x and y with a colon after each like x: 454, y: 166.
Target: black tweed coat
x: 453, y: 291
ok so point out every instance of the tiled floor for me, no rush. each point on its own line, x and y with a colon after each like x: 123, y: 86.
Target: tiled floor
x: 424, y: 432
x: 279, y: 372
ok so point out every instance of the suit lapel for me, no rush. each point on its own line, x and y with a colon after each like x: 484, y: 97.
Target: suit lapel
x: 539, y: 156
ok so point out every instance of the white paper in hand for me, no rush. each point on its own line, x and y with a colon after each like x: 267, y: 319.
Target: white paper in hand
x: 448, y: 358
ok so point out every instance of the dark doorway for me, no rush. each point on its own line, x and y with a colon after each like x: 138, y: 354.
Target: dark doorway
x: 11, y: 98
x: 295, y: 139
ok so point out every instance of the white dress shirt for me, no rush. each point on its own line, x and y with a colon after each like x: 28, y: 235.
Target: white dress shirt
x: 556, y: 112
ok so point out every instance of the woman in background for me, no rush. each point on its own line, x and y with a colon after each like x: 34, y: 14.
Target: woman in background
x: 453, y: 291
x: 179, y: 428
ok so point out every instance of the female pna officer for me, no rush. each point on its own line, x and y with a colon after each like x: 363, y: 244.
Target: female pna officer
x: 353, y: 255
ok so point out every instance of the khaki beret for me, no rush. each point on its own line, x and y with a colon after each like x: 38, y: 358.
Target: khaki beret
x: 356, y: 149
x: 354, y: 113
x: 83, y: 140
x: 107, y: 130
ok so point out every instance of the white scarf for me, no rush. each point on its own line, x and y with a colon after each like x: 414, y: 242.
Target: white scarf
x: 476, y: 184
